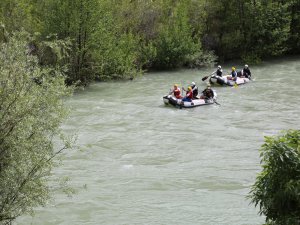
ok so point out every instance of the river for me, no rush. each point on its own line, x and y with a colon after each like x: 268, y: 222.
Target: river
x: 141, y: 162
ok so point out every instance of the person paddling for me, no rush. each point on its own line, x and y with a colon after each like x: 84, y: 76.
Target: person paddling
x: 207, y: 93
x: 194, y: 89
x: 233, y: 74
x: 218, y: 72
x: 176, y: 91
x: 246, y: 72
x: 189, y: 95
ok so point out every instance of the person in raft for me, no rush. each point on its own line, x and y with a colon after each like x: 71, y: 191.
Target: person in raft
x: 233, y: 74
x: 189, y: 95
x: 247, y: 72
x: 176, y: 92
x: 194, y: 89
x: 219, y: 71
x: 207, y: 93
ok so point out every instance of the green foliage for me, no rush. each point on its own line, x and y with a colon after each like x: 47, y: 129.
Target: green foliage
x: 146, y: 55
x: 115, y: 52
x: 32, y: 109
x: 175, y: 43
x: 18, y: 14
x: 112, y: 39
x: 294, y: 37
x: 201, y: 59
x: 115, y: 56
x: 250, y: 30
x: 270, y: 30
x: 251, y: 58
x: 277, y: 187
x: 52, y: 53
x: 73, y: 20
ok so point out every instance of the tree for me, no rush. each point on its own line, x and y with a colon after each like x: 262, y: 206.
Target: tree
x: 31, y: 111
x: 74, y: 20
x: 248, y: 29
x: 269, y: 30
x: 113, y: 50
x: 175, y: 43
x: 277, y: 187
x: 294, y: 39
x: 21, y: 14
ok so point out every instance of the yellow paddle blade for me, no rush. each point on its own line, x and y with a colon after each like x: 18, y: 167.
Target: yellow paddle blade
x: 235, y: 85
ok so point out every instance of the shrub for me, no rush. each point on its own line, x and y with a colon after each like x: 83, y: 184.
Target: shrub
x: 31, y: 102
x: 277, y: 187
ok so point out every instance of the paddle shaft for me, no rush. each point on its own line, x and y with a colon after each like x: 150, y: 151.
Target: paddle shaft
x: 216, y: 102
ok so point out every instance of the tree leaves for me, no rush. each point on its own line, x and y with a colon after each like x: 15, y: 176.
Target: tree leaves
x: 30, y: 117
x: 277, y: 187
x: 155, y: 34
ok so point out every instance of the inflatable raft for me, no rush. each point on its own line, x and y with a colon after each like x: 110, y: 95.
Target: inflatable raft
x: 223, y: 81
x: 171, y: 100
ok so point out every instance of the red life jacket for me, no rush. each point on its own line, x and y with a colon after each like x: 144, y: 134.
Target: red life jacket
x: 177, y: 93
x: 189, y: 94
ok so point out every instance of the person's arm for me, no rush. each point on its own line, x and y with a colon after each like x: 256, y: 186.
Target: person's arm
x: 215, y: 72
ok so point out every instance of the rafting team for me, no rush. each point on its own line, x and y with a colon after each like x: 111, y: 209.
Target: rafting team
x: 244, y: 73
x: 207, y: 93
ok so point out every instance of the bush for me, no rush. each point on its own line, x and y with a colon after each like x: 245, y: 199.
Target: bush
x: 202, y: 59
x: 114, y: 52
x: 31, y: 102
x: 174, y: 43
x: 277, y: 187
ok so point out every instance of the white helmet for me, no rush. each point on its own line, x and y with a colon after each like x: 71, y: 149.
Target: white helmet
x: 193, y: 83
x: 246, y: 66
x: 219, y: 67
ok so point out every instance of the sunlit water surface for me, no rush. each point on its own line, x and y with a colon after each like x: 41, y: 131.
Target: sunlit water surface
x: 144, y: 163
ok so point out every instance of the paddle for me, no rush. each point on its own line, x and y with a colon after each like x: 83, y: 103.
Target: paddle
x: 204, y: 78
x: 216, y: 102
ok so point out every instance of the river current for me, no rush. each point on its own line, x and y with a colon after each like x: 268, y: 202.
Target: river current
x: 141, y: 162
